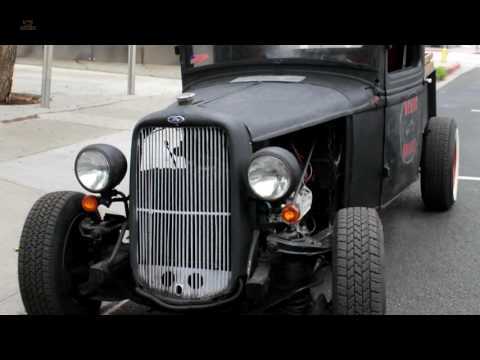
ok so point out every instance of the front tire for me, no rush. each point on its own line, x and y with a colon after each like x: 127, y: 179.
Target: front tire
x: 50, y: 247
x: 440, y: 164
x: 358, y: 263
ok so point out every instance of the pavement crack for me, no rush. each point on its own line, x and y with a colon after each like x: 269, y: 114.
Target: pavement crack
x: 2, y: 300
x: 22, y: 185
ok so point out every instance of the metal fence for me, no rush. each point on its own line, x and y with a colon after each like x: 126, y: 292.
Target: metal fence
x: 48, y: 52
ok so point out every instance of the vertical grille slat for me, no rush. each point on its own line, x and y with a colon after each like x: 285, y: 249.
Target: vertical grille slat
x: 183, y: 211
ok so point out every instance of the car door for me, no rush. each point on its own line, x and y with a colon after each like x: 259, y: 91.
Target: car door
x: 406, y: 114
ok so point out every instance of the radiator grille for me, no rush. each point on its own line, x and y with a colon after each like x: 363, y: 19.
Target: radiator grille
x: 183, y: 211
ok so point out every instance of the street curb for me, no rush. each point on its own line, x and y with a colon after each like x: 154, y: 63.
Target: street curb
x: 28, y: 117
x: 70, y: 108
x: 453, y: 68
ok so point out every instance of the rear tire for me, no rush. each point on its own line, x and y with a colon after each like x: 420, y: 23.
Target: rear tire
x: 358, y: 263
x: 440, y: 164
x: 46, y: 286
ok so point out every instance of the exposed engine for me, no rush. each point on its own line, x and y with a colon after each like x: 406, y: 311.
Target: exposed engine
x: 320, y: 154
x: 296, y: 249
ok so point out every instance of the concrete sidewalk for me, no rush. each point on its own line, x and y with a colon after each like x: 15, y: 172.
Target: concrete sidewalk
x: 37, y: 153
x: 79, y: 89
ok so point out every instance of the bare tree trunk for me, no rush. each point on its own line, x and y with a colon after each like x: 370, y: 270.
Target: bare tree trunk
x: 8, y: 55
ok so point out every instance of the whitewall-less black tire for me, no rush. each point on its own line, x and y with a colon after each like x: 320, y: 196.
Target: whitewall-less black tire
x: 47, y: 249
x: 440, y: 164
x: 358, y: 263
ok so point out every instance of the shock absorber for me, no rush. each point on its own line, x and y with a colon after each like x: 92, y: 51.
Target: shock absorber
x: 289, y: 272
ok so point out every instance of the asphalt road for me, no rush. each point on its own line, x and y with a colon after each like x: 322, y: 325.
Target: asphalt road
x: 433, y: 259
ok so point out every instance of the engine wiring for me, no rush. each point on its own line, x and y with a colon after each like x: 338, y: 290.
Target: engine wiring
x: 310, y: 174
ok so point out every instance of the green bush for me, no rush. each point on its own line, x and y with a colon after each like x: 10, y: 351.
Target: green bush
x: 441, y: 73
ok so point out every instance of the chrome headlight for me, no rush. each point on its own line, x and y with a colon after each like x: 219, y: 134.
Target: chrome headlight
x: 273, y: 173
x: 100, y: 167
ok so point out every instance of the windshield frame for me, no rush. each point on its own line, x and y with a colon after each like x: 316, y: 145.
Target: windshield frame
x: 188, y: 67
x: 195, y: 76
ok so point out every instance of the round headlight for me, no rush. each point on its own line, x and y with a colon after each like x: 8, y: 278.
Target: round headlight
x: 273, y: 173
x: 100, y: 167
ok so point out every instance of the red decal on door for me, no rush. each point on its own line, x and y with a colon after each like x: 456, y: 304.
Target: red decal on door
x: 408, y: 130
x: 410, y: 106
x: 409, y: 150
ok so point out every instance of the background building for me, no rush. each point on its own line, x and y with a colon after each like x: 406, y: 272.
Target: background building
x: 146, y: 54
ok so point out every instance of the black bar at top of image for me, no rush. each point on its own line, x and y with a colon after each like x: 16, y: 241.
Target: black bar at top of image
x: 163, y: 25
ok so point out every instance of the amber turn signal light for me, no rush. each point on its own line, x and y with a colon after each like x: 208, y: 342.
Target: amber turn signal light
x: 90, y: 203
x: 291, y: 214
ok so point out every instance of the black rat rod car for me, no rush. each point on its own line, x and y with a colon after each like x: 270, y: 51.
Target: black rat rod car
x: 257, y: 191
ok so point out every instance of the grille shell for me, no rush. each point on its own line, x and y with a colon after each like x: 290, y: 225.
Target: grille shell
x: 182, y: 211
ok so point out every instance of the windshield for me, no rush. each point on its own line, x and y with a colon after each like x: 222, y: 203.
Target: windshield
x: 357, y: 56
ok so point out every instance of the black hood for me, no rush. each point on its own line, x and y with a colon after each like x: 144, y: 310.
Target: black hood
x: 271, y: 109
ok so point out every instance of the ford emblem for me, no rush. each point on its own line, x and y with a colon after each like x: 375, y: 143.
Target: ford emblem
x: 176, y: 120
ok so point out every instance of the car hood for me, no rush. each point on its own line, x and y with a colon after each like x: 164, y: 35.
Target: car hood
x: 271, y: 109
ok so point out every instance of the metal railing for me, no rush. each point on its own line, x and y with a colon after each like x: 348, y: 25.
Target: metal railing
x: 132, y: 61
x: 47, y: 73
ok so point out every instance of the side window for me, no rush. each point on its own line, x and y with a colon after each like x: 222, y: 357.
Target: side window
x: 402, y: 57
